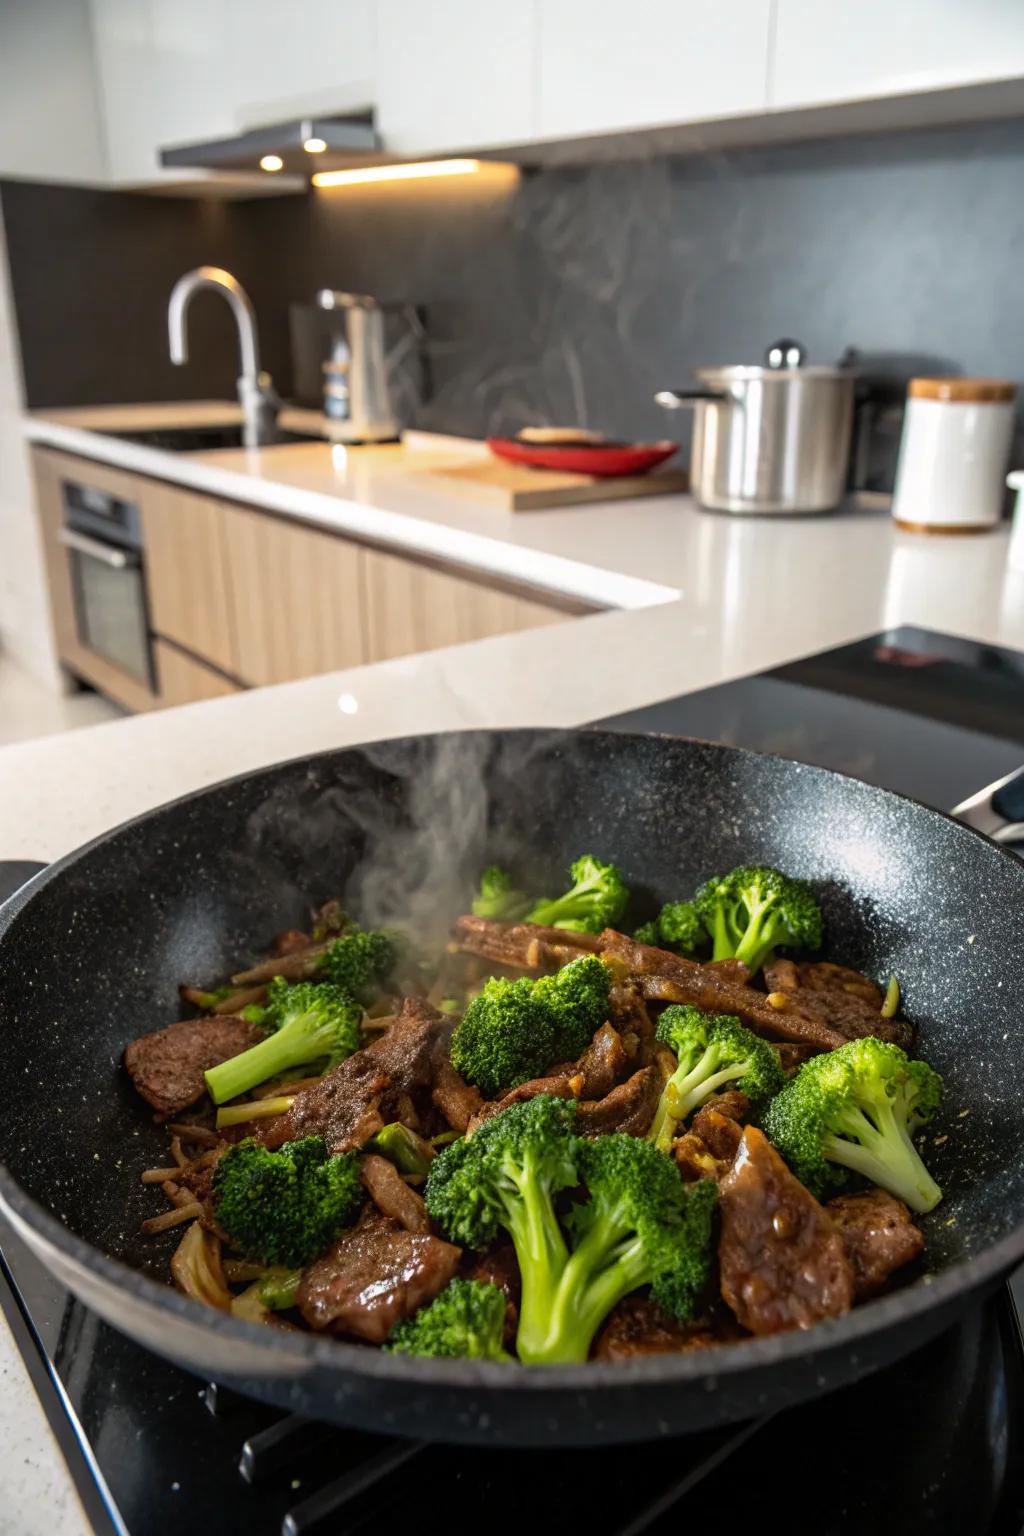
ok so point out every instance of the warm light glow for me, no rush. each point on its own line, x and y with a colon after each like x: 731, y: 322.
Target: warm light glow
x: 411, y: 172
x: 271, y: 163
x: 314, y: 146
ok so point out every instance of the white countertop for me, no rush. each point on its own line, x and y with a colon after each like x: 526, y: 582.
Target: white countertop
x: 711, y: 598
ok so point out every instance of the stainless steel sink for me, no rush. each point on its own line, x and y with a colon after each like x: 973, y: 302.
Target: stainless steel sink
x: 198, y: 439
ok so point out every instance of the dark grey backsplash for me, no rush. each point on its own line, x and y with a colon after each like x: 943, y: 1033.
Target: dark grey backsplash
x: 575, y: 297
x: 570, y: 295
x: 91, y: 273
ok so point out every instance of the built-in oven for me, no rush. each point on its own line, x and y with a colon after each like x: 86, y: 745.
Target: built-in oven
x: 103, y: 538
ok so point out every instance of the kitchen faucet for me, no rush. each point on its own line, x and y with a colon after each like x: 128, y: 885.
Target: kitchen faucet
x: 255, y: 390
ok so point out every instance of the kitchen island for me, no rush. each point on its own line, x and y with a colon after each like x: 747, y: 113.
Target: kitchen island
x: 735, y: 597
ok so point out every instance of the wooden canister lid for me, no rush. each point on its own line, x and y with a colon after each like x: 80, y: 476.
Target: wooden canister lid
x: 962, y: 391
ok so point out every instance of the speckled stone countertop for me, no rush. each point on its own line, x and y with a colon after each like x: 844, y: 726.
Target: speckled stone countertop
x: 736, y: 596
x: 36, y: 1494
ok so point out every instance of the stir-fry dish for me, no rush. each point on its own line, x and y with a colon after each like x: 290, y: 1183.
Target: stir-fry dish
x: 552, y: 1142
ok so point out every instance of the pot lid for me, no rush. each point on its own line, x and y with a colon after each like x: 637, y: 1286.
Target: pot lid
x: 783, y: 359
x: 965, y: 391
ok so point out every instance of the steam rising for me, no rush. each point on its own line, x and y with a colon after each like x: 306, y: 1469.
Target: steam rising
x: 422, y: 865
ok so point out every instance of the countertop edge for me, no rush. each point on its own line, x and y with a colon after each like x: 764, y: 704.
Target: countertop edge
x: 370, y: 521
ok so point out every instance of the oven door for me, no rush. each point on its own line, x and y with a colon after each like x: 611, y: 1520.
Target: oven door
x: 110, y: 602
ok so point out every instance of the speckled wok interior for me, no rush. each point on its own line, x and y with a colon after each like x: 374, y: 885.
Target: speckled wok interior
x: 92, y: 953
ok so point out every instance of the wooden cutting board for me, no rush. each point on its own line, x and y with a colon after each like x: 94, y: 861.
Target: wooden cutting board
x: 517, y: 488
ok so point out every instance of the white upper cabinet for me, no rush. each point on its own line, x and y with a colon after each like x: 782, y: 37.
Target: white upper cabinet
x: 306, y: 57
x: 49, y: 117
x: 161, y: 71
x: 455, y: 74
x: 191, y: 51
x: 177, y: 71
x: 845, y: 50
x: 608, y: 67
x: 94, y: 87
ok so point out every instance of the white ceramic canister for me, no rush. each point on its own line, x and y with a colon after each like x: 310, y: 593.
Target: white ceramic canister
x: 1015, y: 555
x: 953, y: 455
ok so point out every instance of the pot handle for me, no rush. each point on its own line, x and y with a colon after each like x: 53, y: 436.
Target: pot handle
x: 679, y: 399
x: 997, y: 810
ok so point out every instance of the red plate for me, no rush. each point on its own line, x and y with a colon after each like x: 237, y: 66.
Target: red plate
x: 603, y: 461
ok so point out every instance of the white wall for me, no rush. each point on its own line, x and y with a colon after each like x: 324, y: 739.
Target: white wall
x: 24, y: 606
x: 49, y: 108
x: 49, y: 130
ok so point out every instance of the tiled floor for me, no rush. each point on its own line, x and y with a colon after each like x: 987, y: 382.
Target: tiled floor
x: 29, y: 709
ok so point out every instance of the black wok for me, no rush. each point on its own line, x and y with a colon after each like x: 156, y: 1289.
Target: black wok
x: 92, y: 950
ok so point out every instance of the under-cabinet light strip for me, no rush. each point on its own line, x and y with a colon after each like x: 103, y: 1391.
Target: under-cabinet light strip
x: 409, y: 172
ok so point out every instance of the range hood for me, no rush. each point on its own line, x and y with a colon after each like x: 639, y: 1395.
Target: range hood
x: 346, y: 141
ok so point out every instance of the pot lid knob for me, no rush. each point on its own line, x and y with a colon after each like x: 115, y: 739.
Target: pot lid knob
x: 785, y: 353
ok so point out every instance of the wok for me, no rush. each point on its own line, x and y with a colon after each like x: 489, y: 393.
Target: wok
x: 92, y: 950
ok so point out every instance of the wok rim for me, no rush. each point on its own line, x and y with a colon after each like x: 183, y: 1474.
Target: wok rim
x: 307, y: 1351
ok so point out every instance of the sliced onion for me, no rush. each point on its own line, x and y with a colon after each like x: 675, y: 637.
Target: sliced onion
x: 196, y: 1267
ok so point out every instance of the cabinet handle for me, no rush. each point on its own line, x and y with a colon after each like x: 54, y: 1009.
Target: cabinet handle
x: 83, y: 545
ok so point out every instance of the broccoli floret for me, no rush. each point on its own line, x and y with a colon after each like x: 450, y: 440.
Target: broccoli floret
x: 596, y: 899
x: 640, y: 1226
x: 503, y: 1038
x: 312, y: 1021
x: 512, y: 1030
x: 285, y: 1207
x: 506, y: 1175
x: 466, y: 1320
x: 359, y: 961
x: 498, y: 898
x: 576, y: 999
x: 713, y: 1049
x: 677, y: 927
x: 751, y: 910
x: 401, y: 1146
x: 857, y: 1108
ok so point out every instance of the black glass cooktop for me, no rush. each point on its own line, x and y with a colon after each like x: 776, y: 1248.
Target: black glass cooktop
x: 935, y: 1444
x: 928, y: 715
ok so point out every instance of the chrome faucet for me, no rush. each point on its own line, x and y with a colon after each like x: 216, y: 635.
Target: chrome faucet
x: 255, y: 390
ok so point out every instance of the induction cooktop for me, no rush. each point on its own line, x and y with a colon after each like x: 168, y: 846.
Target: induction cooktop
x: 928, y: 715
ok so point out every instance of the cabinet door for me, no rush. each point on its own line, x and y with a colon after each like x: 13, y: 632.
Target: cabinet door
x: 312, y: 56
x: 183, y: 680
x: 191, y: 57
x: 186, y: 572
x: 455, y: 74
x: 48, y: 97
x: 411, y: 607
x: 297, y: 598
x: 831, y: 50
x: 605, y: 68
x: 161, y: 66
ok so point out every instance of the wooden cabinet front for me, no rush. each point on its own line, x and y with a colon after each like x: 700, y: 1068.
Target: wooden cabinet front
x: 239, y: 597
x: 182, y: 679
x: 190, y: 596
x: 296, y: 595
x: 412, y: 607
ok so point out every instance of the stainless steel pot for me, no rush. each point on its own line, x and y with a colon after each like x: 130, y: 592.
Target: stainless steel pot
x: 769, y: 439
